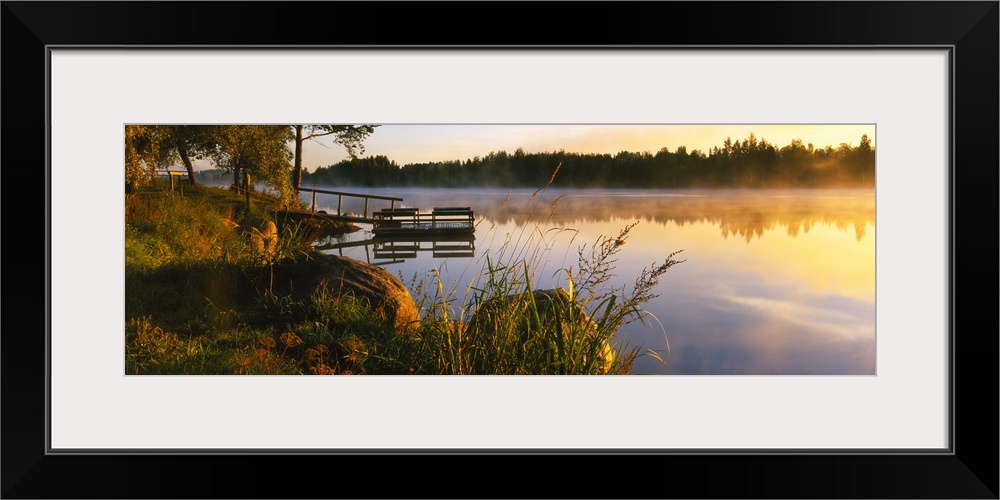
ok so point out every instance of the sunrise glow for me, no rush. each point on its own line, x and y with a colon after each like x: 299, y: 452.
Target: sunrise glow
x: 405, y: 143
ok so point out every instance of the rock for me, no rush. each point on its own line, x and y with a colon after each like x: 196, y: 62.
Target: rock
x: 310, y: 226
x: 263, y: 233
x: 551, y: 305
x: 385, y: 292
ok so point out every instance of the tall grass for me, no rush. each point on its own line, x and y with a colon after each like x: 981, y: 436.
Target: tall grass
x: 501, y: 324
x: 200, y: 299
x: 504, y: 326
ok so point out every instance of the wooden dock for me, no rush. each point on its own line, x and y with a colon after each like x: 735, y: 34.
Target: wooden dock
x: 409, y: 221
x: 394, y: 221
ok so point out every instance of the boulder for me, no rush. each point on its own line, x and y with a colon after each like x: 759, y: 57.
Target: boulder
x: 552, y: 305
x: 312, y: 226
x: 263, y: 233
x: 385, y: 293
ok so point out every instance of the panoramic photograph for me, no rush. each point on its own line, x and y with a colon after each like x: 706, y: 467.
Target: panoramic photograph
x: 507, y: 249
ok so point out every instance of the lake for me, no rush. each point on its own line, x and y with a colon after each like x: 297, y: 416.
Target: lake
x: 773, y: 282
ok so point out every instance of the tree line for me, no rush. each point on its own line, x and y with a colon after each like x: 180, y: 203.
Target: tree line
x: 750, y: 163
x: 270, y: 154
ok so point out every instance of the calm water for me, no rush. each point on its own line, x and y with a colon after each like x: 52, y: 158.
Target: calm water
x: 773, y: 282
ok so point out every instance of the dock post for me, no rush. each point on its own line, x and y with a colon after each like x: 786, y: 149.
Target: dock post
x: 340, y: 202
x: 246, y: 185
x: 366, y: 207
x: 314, y: 200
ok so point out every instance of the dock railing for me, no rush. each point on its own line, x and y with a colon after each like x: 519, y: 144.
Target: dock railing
x: 340, y: 199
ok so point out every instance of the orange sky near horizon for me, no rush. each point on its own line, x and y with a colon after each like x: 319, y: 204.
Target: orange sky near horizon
x: 405, y: 143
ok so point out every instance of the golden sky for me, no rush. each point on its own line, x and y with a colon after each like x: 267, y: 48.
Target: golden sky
x: 406, y: 143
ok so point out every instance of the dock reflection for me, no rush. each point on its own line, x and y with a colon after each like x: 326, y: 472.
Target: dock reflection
x: 382, y: 249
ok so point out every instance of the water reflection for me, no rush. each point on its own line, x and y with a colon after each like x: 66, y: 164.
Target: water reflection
x: 745, y: 215
x: 382, y: 250
x: 773, y: 283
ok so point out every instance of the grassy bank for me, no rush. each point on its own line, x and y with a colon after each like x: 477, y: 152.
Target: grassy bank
x: 199, y: 299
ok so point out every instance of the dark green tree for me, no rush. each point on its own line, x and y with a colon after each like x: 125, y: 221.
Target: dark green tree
x: 146, y: 148
x: 190, y: 142
x: 260, y: 150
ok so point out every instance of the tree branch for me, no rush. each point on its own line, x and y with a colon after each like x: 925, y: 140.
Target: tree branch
x: 313, y: 134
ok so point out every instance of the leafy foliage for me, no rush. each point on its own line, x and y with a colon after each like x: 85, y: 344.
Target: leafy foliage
x: 146, y: 149
x: 260, y: 150
x: 263, y: 151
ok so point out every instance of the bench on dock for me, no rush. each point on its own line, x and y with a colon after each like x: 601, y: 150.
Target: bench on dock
x: 394, y: 217
x: 396, y: 212
x: 410, y: 220
x: 452, y: 216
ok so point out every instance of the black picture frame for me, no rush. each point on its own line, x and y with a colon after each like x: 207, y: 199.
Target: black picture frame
x: 970, y: 470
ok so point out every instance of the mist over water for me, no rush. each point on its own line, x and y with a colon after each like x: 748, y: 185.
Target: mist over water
x: 773, y: 281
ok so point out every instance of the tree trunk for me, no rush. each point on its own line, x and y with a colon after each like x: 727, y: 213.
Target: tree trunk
x: 183, y: 152
x: 297, y: 172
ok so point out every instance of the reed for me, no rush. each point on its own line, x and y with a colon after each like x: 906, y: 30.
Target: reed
x: 502, y: 325
x: 200, y: 300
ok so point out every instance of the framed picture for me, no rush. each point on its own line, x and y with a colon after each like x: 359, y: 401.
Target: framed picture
x: 903, y: 421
